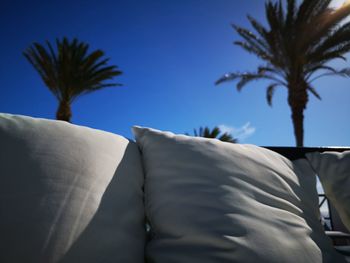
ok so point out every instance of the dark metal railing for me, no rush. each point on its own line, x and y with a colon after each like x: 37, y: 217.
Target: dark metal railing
x: 323, y: 200
x: 294, y: 153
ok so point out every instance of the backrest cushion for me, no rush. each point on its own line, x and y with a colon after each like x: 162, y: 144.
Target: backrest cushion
x: 211, y: 201
x: 68, y: 194
x: 333, y: 169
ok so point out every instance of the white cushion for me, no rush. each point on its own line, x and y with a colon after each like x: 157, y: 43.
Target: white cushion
x: 333, y: 170
x: 211, y: 201
x: 68, y: 194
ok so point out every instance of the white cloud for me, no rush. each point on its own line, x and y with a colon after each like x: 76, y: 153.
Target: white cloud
x: 241, y: 133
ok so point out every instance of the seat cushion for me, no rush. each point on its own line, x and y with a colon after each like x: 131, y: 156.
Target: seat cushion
x: 211, y: 201
x: 68, y: 194
x: 333, y: 169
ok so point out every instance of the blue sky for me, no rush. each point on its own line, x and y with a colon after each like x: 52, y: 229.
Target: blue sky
x: 171, y: 53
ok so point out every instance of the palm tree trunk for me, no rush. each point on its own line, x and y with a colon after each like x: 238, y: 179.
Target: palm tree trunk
x: 298, y: 124
x: 64, y: 111
x: 297, y: 100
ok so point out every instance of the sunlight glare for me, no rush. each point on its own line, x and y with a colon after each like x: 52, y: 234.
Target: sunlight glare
x: 339, y: 3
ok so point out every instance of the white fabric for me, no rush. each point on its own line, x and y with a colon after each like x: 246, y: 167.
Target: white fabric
x: 333, y: 170
x: 209, y: 201
x: 68, y: 194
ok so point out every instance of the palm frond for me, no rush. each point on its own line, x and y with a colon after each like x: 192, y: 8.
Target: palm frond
x: 314, y: 92
x: 260, y: 29
x: 291, y: 13
x: 253, y: 40
x: 345, y: 72
x: 324, y: 21
x: 246, y: 78
x: 226, y: 137
x: 313, y: 68
x: 45, y: 65
x: 330, y: 43
x: 270, y: 91
x: 227, y: 77
x: 214, y: 133
x: 273, y: 70
x: 253, y: 50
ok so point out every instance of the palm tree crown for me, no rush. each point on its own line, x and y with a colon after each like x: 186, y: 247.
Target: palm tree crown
x: 295, y: 49
x: 70, y: 71
x: 214, y: 133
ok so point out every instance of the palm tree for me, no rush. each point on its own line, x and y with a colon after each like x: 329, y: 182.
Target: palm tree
x: 70, y: 71
x: 295, y: 50
x: 214, y: 133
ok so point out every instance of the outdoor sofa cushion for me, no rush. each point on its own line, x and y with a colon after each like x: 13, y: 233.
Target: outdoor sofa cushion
x: 333, y: 170
x: 211, y: 201
x: 68, y: 194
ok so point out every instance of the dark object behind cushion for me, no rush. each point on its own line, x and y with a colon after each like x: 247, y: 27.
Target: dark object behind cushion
x: 294, y: 153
